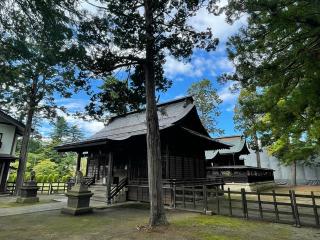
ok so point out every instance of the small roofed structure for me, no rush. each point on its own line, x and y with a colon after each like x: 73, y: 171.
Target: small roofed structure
x: 10, y: 130
x: 231, y: 156
x: 117, y: 155
x: 228, y: 164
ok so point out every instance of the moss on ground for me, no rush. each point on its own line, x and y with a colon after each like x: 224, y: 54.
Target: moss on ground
x: 122, y: 223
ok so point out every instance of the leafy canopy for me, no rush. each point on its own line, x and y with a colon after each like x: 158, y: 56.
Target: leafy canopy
x: 207, y: 102
x: 277, y: 58
x: 116, y: 39
x: 37, y: 54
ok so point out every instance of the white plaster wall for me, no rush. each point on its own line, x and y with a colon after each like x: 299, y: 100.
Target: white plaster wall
x: 7, y: 138
x: 282, y: 172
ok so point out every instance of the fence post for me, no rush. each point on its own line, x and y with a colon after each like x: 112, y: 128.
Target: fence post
x: 260, y: 204
x: 275, y: 205
x: 42, y: 188
x: 230, y: 203
x: 315, y: 209
x: 244, y: 203
x: 205, y: 203
x: 174, y: 196
x: 194, y: 197
x: 295, y: 208
x: 183, y: 197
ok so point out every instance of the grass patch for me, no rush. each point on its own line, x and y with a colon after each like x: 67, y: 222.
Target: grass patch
x: 121, y: 223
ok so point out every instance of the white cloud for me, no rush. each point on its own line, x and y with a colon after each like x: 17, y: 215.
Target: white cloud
x: 88, y: 127
x: 220, y: 28
x: 179, y: 96
x: 174, y: 67
x: 226, y: 95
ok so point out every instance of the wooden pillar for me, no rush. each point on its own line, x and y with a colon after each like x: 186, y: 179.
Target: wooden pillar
x: 167, y: 162
x: 79, y: 161
x: 109, y: 177
x: 4, y: 175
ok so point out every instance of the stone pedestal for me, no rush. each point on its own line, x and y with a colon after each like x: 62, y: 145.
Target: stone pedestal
x: 78, y: 200
x: 28, y: 193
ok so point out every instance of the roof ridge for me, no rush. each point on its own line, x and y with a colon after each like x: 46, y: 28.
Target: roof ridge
x: 158, y: 105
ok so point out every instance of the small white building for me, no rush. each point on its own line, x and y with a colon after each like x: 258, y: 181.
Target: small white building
x: 10, y: 130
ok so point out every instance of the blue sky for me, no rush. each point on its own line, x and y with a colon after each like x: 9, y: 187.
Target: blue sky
x: 202, y: 65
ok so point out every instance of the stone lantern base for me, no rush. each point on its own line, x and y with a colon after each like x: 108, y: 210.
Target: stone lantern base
x: 28, y: 193
x: 78, y: 201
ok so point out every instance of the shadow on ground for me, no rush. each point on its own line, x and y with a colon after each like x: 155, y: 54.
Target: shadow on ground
x: 121, y: 223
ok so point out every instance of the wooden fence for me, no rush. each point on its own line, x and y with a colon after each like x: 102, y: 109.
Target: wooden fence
x: 44, y: 188
x: 297, y: 209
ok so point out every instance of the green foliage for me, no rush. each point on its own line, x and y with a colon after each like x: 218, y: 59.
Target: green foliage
x: 277, y: 61
x: 45, y: 167
x: 207, y: 102
x: 60, y: 130
x: 246, y: 116
x: 116, y: 97
x: 37, y: 46
x: 39, y: 178
x: 118, y: 40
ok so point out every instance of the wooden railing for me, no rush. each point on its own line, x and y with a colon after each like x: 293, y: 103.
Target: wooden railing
x: 44, y: 188
x: 182, y: 182
x: 297, y: 209
x: 241, y: 174
x: 117, y: 189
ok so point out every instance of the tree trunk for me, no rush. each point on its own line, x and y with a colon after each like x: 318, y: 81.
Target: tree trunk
x: 257, y: 150
x: 24, y: 150
x: 294, y: 173
x: 157, y: 214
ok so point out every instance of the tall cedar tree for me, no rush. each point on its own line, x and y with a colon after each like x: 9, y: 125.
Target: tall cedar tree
x: 36, y: 52
x: 277, y: 56
x: 135, y: 36
x: 207, y: 101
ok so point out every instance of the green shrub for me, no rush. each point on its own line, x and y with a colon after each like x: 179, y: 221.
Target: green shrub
x: 45, y: 179
x: 50, y: 178
x: 56, y: 178
x: 26, y: 176
x: 65, y: 178
x: 39, y: 178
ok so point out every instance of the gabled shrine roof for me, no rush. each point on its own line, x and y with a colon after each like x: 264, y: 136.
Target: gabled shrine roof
x: 132, y: 124
x: 238, y: 143
x: 5, y: 118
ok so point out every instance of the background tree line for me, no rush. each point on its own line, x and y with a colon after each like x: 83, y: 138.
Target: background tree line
x: 49, y: 165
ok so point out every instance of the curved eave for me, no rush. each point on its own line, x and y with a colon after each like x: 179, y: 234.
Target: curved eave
x: 208, y: 142
x: 244, y: 150
x: 7, y: 157
x: 74, y: 147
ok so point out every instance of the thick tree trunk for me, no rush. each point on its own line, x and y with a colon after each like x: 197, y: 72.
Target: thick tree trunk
x: 24, y: 150
x: 157, y: 214
x: 257, y: 151
x: 109, y: 176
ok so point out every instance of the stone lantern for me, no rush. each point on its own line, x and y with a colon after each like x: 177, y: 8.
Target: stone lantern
x: 28, y: 192
x: 78, y: 198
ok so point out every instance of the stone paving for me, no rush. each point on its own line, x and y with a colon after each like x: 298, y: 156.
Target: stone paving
x: 57, y: 202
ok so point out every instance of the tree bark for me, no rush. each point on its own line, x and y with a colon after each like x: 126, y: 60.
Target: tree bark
x: 157, y: 214
x: 257, y: 150
x: 24, y: 149
x: 109, y: 177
